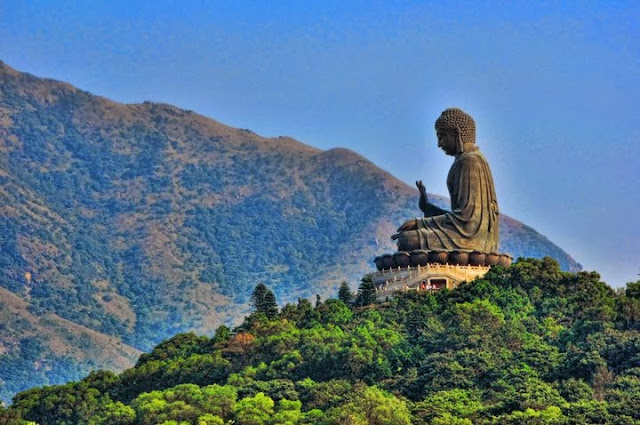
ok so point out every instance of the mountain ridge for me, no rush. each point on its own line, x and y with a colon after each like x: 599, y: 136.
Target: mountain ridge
x: 138, y: 221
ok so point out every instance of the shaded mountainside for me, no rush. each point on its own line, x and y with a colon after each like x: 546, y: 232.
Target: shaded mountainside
x: 36, y: 349
x: 526, y: 344
x: 140, y: 221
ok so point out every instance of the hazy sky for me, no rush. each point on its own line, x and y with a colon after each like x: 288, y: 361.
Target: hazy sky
x: 554, y: 88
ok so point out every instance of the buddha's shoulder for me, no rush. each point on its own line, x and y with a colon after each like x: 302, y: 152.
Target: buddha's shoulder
x: 470, y: 158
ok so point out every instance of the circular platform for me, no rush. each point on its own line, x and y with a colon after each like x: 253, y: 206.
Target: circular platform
x: 422, y: 257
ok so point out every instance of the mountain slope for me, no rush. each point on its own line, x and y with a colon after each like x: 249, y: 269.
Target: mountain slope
x: 140, y: 221
x: 36, y: 349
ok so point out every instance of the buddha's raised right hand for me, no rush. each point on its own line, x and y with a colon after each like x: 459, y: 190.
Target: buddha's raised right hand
x: 424, y: 201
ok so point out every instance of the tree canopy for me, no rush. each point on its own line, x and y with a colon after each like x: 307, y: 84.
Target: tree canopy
x: 528, y: 344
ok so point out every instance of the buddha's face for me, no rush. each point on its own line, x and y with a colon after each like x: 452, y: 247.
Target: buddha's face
x: 447, y: 142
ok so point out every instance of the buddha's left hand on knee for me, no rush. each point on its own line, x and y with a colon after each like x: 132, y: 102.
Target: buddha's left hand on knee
x: 409, y: 225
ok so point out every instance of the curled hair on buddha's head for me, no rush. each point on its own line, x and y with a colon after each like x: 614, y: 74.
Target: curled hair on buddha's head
x: 454, y: 120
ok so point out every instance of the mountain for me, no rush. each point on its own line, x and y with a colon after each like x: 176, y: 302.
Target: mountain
x: 526, y: 344
x: 136, y: 222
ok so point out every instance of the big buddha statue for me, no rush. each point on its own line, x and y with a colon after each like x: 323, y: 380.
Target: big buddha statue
x: 472, y: 223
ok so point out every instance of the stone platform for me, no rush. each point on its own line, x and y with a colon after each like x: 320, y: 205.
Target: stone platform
x: 423, y: 270
x: 430, y: 277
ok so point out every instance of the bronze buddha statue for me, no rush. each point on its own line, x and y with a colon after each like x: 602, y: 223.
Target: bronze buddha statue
x: 472, y: 223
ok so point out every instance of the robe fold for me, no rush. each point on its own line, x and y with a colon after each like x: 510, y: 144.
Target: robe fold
x: 472, y: 223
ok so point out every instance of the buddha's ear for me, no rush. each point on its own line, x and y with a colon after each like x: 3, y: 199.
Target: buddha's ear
x: 460, y: 144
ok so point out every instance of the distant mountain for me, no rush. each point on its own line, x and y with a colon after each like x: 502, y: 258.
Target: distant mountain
x: 140, y: 221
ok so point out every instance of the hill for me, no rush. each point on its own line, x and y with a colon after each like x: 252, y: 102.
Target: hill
x: 37, y: 349
x: 141, y: 221
x: 528, y: 344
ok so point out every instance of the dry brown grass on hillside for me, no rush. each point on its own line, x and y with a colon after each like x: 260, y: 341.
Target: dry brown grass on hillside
x: 61, y: 336
x: 114, y: 303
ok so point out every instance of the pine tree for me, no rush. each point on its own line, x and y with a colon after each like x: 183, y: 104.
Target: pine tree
x: 263, y: 300
x: 344, y: 294
x: 257, y: 296
x: 415, y: 322
x: 270, y: 308
x: 366, y: 292
x: 223, y: 333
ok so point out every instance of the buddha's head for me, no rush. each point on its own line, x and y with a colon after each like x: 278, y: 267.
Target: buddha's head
x: 455, y: 128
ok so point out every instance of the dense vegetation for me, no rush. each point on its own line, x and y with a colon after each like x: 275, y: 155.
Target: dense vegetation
x: 528, y: 344
x: 142, y: 221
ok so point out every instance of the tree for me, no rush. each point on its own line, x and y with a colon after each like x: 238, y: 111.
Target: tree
x: 336, y: 312
x: 209, y: 419
x: 550, y: 416
x: 373, y: 406
x: 287, y: 413
x: 223, y: 333
x: 448, y: 407
x: 633, y: 290
x: 69, y: 404
x: 254, y: 410
x: 344, y: 294
x: 366, y: 292
x: 264, y: 301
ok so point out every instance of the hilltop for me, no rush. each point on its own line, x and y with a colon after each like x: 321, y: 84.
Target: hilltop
x: 527, y: 344
x: 139, y: 221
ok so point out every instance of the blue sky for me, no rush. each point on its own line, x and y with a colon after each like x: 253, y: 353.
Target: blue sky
x: 554, y: 87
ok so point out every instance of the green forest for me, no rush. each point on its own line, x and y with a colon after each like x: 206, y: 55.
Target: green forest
x: 528, y: 344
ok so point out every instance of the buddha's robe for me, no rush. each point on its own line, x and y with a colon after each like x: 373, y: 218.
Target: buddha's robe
x: 472, y: 223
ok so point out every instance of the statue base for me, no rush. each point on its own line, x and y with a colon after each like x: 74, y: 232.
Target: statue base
x: 422, y: 270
